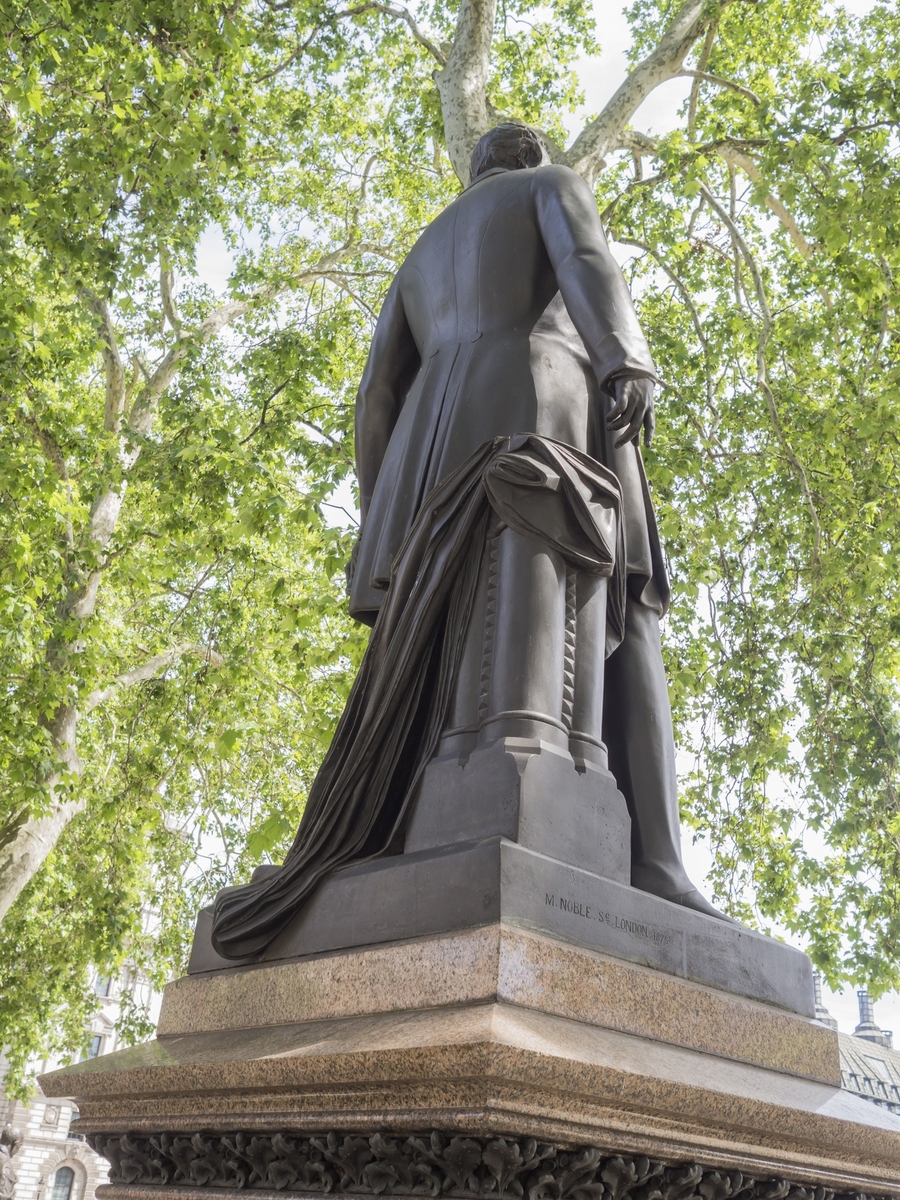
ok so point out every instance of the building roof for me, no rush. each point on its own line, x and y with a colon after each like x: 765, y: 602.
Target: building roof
x: 870, y: 1071
x: 870, y: 1066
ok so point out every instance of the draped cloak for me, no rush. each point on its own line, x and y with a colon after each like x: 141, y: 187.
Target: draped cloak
x: 395, y: 713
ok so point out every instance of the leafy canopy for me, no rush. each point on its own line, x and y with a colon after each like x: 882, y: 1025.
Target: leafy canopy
x: 170, y: 571
x: 209, y: 671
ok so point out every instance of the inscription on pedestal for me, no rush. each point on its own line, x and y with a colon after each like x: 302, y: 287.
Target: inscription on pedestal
x: 567, y: 903
x: 637, y: 929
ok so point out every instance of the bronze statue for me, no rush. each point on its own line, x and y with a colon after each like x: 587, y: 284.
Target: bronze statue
x: 508, y: 544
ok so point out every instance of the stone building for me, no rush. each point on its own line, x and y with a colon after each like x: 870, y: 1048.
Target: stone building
x: 52, y: 1163
x: 870, y: 1066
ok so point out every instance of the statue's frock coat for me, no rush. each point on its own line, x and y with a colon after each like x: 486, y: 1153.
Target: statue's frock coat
x: 509, y: 315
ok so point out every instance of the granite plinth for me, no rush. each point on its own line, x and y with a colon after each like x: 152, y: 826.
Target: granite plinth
x: 524, y: 1038
x: 495, y: 880
x: 511, y: 966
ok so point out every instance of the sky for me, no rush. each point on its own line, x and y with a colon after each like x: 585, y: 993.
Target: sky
x: 600, y: 77
x: 658, y: 114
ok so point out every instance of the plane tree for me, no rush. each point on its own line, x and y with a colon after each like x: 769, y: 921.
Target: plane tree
x: 177, y: 447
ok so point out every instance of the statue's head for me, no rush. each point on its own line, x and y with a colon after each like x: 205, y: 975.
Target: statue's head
x: 512, y: 145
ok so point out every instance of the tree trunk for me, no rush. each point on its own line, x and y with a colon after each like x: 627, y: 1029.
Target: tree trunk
x: 26, y: 840
x: 596, y: 140
x: 24, y: 844
x: 463, y: 82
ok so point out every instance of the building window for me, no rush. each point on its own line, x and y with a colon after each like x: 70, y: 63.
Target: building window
x: 93, y: 1047
x: 103, y: 985
x: 879, y: 1066
x: 62, y: 1184
x: 73, y: 1116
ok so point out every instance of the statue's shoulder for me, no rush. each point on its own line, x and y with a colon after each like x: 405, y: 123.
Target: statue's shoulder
x: 555, y: 177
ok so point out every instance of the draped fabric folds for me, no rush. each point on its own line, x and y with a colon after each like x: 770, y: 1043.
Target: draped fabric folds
x: 398, y: 704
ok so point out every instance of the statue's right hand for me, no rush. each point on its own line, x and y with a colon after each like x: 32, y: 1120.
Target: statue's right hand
x: 633, y: 409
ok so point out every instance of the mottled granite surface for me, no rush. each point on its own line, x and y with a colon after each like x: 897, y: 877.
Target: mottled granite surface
x: 497, y: 962
x: 496, y: 1031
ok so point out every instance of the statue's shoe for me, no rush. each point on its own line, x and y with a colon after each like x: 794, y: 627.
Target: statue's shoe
x: 669, y: 882
x: 697, y: 901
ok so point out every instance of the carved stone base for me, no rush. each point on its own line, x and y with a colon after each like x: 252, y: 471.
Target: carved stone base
x: 510, y: 1043
x: 213, y: 1167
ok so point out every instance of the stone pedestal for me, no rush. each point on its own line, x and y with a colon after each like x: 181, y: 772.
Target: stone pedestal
x: 495, y: 1014
x: 532, y: 793
x: 475, y: 883
x: 493, y: 1061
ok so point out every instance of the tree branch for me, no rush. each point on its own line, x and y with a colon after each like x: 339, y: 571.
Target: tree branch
x: 588, y: 152
x: 48, y: 444
x: 737, y: 158
x: 260, y: 424
x: 166, y: 284
x: 637, y: 143
x: 361, y: 196
x: 144, y: 407
x: 722, y: 83
x: 731, y: 152
x: 695, y: 88
x: 400, y: 14
x: 150, y: 669
x: 292, y: 58
x: 56, y: 458
x: 389, y: 10
x: 883, y: 329
x: 115, y: 372
x: 688, y: 303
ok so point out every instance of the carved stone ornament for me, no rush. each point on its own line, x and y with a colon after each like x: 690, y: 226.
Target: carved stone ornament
x: 438, y: 1165
x: 10, y: 1141
x: 7, y: 1174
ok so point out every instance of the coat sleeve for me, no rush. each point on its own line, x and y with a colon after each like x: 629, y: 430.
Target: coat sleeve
x: 590, y: 281
x: 390, y: 369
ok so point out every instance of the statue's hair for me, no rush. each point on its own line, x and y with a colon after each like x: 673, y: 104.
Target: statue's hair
x: 512, y: 144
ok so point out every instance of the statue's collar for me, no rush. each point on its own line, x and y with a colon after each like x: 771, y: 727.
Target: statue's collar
x: 486, y: 175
